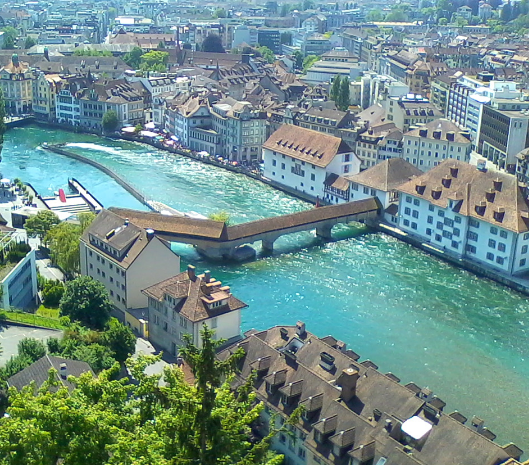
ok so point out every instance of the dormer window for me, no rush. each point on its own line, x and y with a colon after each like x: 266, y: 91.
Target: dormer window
x: 287, y: 401
x: 270, y: 389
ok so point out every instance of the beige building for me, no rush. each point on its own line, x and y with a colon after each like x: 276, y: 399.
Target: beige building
x: 16, y: 81
x: 184, y: 303
x: 45, y: 90
x: 126, y: 259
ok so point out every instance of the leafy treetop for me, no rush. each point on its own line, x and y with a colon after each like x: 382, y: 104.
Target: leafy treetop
x: 108, y: 421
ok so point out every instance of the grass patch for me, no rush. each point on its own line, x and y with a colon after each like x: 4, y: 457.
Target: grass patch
x: 32, y: 319
x: 48, y: 312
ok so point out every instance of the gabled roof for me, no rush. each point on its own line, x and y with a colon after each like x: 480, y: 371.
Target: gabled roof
x: 39, y: 372
x: 387, y: 175
x: 306, y: 145
x: 489, y: 196
x: 194, y: 295
x: 112, y: 231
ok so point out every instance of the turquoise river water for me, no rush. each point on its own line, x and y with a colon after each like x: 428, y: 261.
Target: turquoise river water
x: 464, y: 337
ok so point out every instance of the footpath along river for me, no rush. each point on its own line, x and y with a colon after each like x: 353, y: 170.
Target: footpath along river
x: 464, y: 337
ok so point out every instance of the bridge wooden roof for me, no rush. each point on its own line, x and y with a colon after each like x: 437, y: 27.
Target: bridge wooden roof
x: 173, y: 225
x: 217, y: 231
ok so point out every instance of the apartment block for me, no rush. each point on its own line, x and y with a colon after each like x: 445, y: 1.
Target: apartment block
x: 184, y: 303
x: 469, y: 212
x: 126, y: 259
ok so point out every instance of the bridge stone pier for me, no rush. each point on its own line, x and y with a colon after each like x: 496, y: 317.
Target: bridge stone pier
x: 217, y: 241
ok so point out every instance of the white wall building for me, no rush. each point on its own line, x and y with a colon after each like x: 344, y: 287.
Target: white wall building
x: 126, y: 259
x: 472, y: 213
x: 428, y: 145
x: 302, y: 159
x: 184, y: 303
x: 382, y: 181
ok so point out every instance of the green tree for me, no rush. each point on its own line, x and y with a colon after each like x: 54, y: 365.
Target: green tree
x: 298, y: 57
x: 286, y: 38
x: 375, y: 15
x: 154, y: 61
x: 267, y: 54
x: 40, y: 224
x: 221, y: 216
x: 220, y: 13
x: 29, y: 42
x: 85, y: 52
x: 506, y: 12
x: 343, y: 100
x: 285, y: 9
x: 63, y: 241
x: 335, y: 88
x: 86, y: 300
x: 110, y: 422
x: 213, y: 44
x: 161, y: 45
x: 120, y: 340
x: 31, y: 348
x: 85, y: 220
x: 133, y: 58
x: 110, y: 121
x: 443, y: 21
x: 52, y: 292
x: 10, y: 37
x: 309, y: 61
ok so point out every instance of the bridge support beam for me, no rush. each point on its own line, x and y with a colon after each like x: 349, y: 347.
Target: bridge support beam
x: 267, y: 242
x: 324, y: 231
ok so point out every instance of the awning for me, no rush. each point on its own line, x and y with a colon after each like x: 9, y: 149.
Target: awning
x: 175, y: 138
x: 128, y: 129
x: 150, y: 125
x: 148, y: 134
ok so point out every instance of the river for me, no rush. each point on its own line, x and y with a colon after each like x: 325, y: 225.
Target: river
x: 464, y: 337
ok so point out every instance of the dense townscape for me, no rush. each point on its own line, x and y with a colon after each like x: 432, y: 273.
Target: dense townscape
x: 410, y: 117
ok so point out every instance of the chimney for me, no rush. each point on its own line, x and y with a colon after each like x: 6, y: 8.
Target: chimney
x: 450, y: 136
x: 420, y: 187
x: 347, y: 381
x: 191, y: 272
x: 498, y: 184
x: 446, y: 181
x: 207, y: 276
x: 437, y: 134
x: 490, y: 194
x: 63, y: 371
x: 46, y: 54
x: 300, y: 329
x: 423, y: 132
x: 150, y: 233
x: 454, y: 170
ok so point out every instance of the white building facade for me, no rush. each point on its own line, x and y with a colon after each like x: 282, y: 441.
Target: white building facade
x: 302, y: 159
x: 470, y: 213
x: 183, y: 304
x: 428, y: 145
